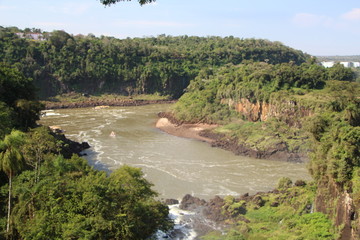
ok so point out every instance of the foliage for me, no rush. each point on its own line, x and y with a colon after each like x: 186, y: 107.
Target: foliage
x: 261, y: 136
x: 39, y: 142
x: 71, y: 200
x: 337, y: 147
x: 341, y: 73
x: 284, y: 215
x: 164, y: 64
x: 6, y: 122
x: 11, y: 162
x: 261, y: 82
x: 11, y: 158
x: 17, y: 100
x: 284, y: 183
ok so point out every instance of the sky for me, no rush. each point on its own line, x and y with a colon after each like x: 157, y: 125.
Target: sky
x: 316, y: 27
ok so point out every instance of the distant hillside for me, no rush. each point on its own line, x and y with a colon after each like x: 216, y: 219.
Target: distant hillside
x: 61, y: 63
x: 352, y: 58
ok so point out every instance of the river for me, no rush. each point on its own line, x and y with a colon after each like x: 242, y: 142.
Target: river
x: 176, y: 166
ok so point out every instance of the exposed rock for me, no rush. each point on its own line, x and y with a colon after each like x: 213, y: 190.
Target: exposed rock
x: 258, y: 201
x: 278, y: 152
x: 213, y: 210
x: 190, y: 203
x: 300, y: 183
x: 288, y: 111
x: 335, y: 201
x: 171, y: 201
x: 70, y: 147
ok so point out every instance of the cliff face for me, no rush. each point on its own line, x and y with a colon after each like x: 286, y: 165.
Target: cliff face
x: 338, y: 204
x: 288, y: 111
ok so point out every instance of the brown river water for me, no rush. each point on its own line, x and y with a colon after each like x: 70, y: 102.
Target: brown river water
x: 176, y: 166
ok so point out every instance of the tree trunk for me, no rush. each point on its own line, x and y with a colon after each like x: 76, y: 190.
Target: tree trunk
x: 9, y: 204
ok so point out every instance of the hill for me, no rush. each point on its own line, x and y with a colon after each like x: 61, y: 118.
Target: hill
x: 61, y: 63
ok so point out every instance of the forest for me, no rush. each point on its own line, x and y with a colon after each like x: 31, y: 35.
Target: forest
x: 47, y: 193
x: 61, y: 63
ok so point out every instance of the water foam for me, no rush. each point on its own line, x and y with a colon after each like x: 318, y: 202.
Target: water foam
x: 182, y: 229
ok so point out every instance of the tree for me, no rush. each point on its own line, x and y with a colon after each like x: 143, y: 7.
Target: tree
x: 11, y: 161
x: 14, y: 85
x: 28, y: 112
x: 59, y: 38
x: 6, y: 122
x: 109, y: 2
x: 341, y: 73
x: 38, y: 144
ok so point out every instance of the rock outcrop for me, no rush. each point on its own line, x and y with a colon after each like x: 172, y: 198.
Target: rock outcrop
x: 336, y: 202
x: 277, y: 152
x: 289, y: 111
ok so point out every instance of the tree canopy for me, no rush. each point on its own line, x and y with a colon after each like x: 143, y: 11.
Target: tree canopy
x: 164, y: 64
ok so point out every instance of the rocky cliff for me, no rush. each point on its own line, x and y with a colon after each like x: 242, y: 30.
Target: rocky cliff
x: 289, y: 111
x: 336, y: 202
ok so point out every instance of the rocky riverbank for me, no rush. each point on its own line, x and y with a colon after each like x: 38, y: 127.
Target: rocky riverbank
x: 201, y: 131
x: 70, y: 147
x: 120, y: 102
x: 277, y: 152
x: 220, y: 214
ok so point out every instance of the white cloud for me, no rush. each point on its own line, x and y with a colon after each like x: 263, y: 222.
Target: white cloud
x: 354, y: 14
x: 312, y: 20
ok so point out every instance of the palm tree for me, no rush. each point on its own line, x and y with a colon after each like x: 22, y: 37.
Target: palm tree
x: 11, y: 161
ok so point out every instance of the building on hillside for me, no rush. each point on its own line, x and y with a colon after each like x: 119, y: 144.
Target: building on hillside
x: 33, y: 36
x: 329, y: 64
x: 346, y: 64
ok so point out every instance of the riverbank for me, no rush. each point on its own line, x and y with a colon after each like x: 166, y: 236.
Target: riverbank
x: 256, y: 216
x: 77, y: 100
x: 96, y: 103
x: 185, y: 130
x: 203, y: 132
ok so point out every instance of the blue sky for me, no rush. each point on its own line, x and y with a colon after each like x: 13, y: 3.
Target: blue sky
x: 317, y: 27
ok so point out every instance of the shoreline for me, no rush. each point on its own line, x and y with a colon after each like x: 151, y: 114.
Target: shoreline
x: 111, y: 103
x: 185, y: 130
x: 202, y: 131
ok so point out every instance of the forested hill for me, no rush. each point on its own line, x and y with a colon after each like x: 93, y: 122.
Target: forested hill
x: 60, y: 62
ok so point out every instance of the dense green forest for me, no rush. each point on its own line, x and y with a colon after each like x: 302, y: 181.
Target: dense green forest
x: 262, y: 93
x: 46, y: 194
x: 165, y: 65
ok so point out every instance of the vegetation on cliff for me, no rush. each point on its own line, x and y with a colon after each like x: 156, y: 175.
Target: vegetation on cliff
x: 265, y: 105
x: 293, y: 108
x: 164, y: 64
x: 285, y: 213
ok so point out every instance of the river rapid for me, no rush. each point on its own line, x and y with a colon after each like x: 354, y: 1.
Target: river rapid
x: 176, y: 166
